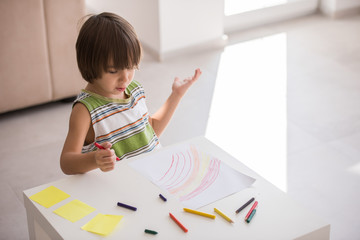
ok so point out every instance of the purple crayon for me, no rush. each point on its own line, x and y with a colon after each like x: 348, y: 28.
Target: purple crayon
x: 126, y: 206
x: 162, y: 197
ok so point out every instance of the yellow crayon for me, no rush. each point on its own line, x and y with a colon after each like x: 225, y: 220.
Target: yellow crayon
x: 199, y: 213
x: 223, y: 215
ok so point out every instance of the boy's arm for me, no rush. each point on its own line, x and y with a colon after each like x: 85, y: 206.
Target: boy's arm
x: 162, y: 117
x: 72, y: 161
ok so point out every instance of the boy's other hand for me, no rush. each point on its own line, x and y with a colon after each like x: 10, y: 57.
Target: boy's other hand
x: 180, y: 87
x: 105, y: 158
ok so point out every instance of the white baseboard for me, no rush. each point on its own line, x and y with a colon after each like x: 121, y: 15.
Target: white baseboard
x: 341, y: 13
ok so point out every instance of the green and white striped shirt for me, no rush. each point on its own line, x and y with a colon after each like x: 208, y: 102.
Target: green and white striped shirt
x: 122, y: 122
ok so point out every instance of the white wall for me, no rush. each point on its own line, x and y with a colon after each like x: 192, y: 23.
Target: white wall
x: 142, y: 14
x: 170, y: 27
x: 185, y: 23
x: 167, y: 27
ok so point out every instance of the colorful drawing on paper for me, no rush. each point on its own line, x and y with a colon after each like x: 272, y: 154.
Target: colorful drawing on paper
x: 195, y: 177
x: 189, y: 174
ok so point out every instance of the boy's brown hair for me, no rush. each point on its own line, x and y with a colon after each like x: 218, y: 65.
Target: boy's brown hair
x: 106, y: 39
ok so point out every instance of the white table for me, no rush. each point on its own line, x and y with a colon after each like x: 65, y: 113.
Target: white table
x: 277, y: 217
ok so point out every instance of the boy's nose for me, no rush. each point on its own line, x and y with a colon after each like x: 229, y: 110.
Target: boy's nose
x: 125, y: 75
x: 123, y: 78
x: 122, y: 75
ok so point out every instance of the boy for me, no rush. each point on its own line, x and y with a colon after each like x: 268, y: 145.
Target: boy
x: 111, y: 110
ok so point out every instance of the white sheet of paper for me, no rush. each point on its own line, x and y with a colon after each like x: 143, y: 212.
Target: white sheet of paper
x: 194, y: 176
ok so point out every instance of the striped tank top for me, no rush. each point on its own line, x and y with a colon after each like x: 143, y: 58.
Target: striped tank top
x: 122, y: 122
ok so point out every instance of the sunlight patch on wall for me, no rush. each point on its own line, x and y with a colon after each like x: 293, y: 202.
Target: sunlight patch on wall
x: 240, y: 6
x: 248, y: 110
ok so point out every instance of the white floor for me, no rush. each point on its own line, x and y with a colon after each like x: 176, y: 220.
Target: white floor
x: 284, y: 99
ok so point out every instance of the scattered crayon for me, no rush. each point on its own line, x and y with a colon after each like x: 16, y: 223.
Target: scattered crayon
x: 151, y: 231
x: 162, y: 197
x: 178, y: 223
x: 199, y: 213
x: 126, y: 206
x: 223, y: 215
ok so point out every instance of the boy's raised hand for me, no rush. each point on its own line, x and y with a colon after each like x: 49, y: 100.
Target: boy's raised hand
x: 105, y: 158
x: 180, y: 87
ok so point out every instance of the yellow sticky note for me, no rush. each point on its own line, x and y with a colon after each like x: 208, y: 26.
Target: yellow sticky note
x: 74, y: 210
x: 49, y: 196
x: 102, y: 224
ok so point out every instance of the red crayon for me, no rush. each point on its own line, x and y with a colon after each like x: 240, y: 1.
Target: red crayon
x: 101, y: 147
x: 252, y: 208
x: 178, y: 223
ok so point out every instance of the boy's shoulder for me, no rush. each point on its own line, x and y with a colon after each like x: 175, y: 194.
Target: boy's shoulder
x: 90, y: 100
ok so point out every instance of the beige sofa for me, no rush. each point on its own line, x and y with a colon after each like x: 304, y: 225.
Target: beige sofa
x: 37, y: 51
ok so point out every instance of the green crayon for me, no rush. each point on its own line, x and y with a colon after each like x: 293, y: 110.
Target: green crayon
x: 150, y: 231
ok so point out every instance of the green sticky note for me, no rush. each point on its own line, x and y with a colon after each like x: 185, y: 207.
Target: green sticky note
x: 102, y: 224
x: 74, y: 210
x: 49, y: 196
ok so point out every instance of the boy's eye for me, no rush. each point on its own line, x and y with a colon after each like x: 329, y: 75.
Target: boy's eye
x: 112, y: 71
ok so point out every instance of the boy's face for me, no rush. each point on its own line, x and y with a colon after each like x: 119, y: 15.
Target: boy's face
x: 113, y: 82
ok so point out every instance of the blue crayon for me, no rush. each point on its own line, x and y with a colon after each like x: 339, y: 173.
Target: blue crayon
x: 251, y: 216
x: 126, y: 206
